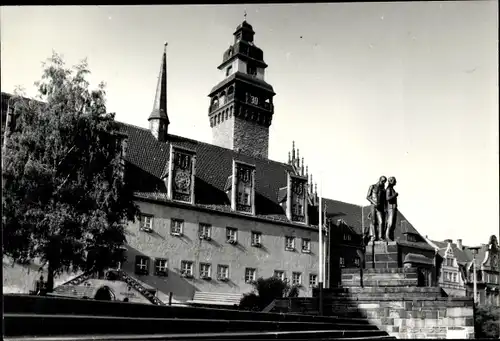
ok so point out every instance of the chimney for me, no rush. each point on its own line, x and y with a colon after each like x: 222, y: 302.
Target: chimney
x: 459, y: 244
x: 448, y: 241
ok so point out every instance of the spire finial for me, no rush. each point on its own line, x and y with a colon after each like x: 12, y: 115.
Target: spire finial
x: 307, y: 172
x: 293, y: 152
x: 289, y: 158
x: 245, y: 15
x: 302, y: 168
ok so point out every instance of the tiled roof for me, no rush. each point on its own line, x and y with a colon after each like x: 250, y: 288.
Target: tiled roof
x: 463, y: 256
x: 147, y: 160
x: 246, y: 78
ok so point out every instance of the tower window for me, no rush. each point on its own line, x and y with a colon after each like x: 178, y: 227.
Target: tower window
x: 215, y: 103
x: 229, y: 70
x: 251, y: 70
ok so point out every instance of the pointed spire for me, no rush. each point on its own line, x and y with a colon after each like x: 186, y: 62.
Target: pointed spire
x: 298, y: 158
x: 302, y: 168
x: 160, y: 103
x: 293, y: 152
x: 289, y: 158
x: 307, y: 172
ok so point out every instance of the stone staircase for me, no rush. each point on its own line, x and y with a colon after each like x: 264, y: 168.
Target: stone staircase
x: 403, y: 311
x: 74, y: 287
x: 54, y: 318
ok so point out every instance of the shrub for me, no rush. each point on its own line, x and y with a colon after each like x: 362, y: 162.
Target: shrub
x: 265, y: 291
x: 487, y: 320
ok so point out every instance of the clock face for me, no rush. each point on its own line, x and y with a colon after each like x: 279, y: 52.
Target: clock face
x: 182, y: 181
x: 254, y: 100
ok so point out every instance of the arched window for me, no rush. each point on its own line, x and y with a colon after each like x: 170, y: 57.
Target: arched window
x: 215, y: 103
x: 230, y: 93
x: 222, y: 98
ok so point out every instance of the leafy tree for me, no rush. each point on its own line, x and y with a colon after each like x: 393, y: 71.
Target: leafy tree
x: 64, y: 189
x: 267, y: 290
x: 487, y: 322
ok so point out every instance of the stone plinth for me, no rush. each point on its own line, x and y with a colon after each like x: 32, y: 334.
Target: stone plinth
x: 403, y: 312
x: 382, y: 255
x: 382, y: 277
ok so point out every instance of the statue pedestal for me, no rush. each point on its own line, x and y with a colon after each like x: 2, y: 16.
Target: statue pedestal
x: 383, y: 255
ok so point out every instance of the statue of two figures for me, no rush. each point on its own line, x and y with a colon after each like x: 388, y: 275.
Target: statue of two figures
x: 384, y: 209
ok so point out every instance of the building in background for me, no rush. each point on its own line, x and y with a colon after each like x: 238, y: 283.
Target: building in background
x: 455, y: 269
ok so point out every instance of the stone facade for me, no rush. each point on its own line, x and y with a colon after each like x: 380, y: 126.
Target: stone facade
x: 269, y: 257
x: 223, y: 132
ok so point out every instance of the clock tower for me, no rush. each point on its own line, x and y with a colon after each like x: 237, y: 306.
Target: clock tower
x: 241, y: 105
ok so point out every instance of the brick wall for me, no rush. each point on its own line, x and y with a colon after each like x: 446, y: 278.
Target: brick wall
x: 251, y: 138
x: 403, y: 312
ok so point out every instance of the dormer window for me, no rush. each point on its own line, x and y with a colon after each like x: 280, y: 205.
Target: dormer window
x: 296, y: 199
x: 244, y: 187
x: 182, y: 174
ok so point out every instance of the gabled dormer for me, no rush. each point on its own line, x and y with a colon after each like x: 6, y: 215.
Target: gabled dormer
x: 293, y: 198
x: 180, y: 174
x: 242, y: 187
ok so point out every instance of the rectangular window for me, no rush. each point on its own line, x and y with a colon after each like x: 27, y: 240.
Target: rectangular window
x: 205, y: 231
x: 449, y: 261
x: 455, y: 278
x: 306, y: 245
x: 141, y: 265
x: 176, y: 227
x: 342, y: 262
x: 289, y: 243
x: 146, y: 223
x: 256, y: 239
x: 251, y: 70
x: 231, y: 235
x: 222, y: 272
x: 296, y: 278
x: 160, y: 267
x: 205, y: 270
x: 313, y: 280
x: 187, y: 268
x: 279, y: 274
x: 250, y: 275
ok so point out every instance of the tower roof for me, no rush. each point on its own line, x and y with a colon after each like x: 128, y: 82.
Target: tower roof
x: 160, y: 103
x: 244, y: 26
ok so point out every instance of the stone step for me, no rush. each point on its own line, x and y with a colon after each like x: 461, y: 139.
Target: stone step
x: 25, y: 304
x: 287, y: 335
x: 355, y: 290
x: 49, y: 325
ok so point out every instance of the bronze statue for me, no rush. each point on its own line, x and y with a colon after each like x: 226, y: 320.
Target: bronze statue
x: 391, y: 197
x: 376, y: 196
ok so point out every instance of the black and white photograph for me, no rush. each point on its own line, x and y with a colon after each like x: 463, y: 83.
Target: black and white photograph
x: 250, y: 171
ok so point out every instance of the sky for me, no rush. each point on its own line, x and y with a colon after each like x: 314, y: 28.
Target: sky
x: 364, y: 89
